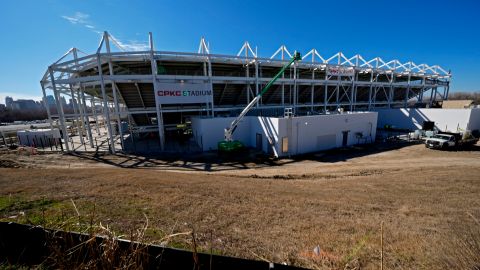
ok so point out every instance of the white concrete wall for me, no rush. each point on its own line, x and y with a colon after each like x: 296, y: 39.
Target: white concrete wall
x: 268, y: 128
x: 209, y: 131
x: 445, y: 119
x: 305, y: 134
x: 321, y: 132
x: 474, y: 123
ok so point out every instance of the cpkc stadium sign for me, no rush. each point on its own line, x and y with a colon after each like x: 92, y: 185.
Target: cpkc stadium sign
x: 182, y: 93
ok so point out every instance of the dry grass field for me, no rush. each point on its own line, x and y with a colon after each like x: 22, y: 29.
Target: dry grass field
x: 428, y: 201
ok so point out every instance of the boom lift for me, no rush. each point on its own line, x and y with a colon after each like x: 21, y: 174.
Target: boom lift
x: 230, y: 145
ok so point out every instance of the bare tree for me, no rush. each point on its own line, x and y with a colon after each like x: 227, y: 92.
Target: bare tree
x: 465, y: 95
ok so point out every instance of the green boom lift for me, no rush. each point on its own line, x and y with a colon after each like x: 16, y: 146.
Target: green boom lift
x: 230, y: 145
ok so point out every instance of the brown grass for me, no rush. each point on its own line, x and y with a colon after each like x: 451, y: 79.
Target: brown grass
x: 422, y: 196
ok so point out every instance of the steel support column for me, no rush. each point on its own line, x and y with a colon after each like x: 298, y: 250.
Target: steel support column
x: 114, y: 93
x: 153, y: 64
x: 77, y: 119
x: 325, y: 97
x: 390, y: 92
x: 59, y: 110
x: 94, y: 111
x: 422, y: 89
x: 408, y: 91
x: 295, y: 90
x: 86, y: 117
x: 210, y: 81
x: 352, y: 91
x: 256, y: 85
x: 106, y: 111
x: 312, y: 94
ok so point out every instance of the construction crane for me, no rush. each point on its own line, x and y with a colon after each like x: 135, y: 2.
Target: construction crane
x: 230, y: 145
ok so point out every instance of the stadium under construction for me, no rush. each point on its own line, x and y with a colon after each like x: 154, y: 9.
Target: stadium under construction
x: 165, y: 96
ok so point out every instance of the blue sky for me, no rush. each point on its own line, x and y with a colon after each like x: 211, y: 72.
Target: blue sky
x: 35, y: 33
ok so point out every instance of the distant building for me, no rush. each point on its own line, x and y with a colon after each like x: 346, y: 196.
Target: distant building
x: 24, y: 104
x: 8, y: 102
x: 71, y: 103
x: 2, y: 107
x: 50, y: 101
x: 64, y: 101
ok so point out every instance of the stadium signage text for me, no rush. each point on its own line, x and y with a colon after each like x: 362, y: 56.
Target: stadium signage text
x: 183, y: 93
x: 340, y: 71
x: 186, y: 93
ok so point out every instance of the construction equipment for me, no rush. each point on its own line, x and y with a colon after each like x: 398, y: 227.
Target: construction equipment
x: 230, y: 145
x: 451, y: 140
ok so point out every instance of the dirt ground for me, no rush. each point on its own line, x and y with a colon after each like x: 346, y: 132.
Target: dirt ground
x: 276, y: 210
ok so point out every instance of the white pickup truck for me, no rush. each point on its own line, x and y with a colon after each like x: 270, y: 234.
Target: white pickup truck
x: 449, y: 140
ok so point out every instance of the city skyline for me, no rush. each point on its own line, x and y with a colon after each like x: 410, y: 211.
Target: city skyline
x: 50, y: 99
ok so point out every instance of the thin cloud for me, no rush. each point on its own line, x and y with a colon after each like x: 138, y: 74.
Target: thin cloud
x: 83, y: 19
x: 77, y: 18
x: 131, y: 45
